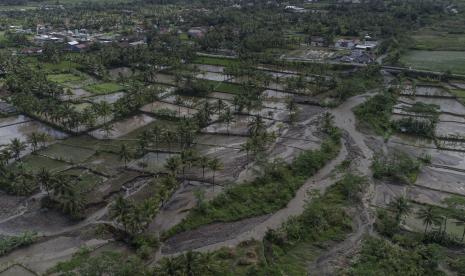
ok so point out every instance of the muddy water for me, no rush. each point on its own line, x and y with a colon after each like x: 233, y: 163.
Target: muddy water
x: 212, y: 76
x: 123, y: 127
x: 109, y: 98
x: 21, y: 127
x: 14, y: 120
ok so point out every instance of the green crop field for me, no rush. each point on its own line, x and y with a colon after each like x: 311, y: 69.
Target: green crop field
x: 64, y: 78
x: 440, y: 61
x: 104, y: 88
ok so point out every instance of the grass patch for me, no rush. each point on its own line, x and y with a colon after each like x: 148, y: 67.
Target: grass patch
x: 67, y: 153
x: 267, y: 193
x: 399, y: 167
x: 381, y: 257
x: 104, y: 88
x: 8, y: 244
x: 86, y: 180
x: 375, y: 113
x: 35, y: 163
x: 225, y: 87
x: 63, y: 66
x: 440, y: 61
x: 64, y: 78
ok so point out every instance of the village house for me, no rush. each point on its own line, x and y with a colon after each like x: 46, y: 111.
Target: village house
x: 294, y: 9
x: 358, y: 56
x: 318, y: 41
x: 346, y: 43
x: 197, y: 32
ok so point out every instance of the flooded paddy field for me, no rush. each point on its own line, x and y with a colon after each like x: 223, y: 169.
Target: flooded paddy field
x: 21, y: 127
x: 153, y: 162
x: 108, y: 98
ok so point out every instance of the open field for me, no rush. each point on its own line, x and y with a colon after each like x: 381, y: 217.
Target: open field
x: 439, y: 61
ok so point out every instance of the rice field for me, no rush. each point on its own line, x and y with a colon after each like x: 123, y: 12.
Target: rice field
x: 440, y: 61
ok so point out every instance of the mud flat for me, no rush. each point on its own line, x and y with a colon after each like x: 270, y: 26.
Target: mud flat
x: 228, y: 150
x: 176, y: 110
x: 238, y: 127
x: 442, y: 180
x: 277, y: 95
x: 222, y: 96
x: 44, y: 255
x: 209, y: 234
x: 385, y: 192
x: 42, y: 221
x: 450, y: 106
x: 185, y: 101
x: 10, y: 205
x: 448, y: 129
x: 180, y: 203
x: 426, y: 91
x: 151, y: 162
x: 165, y: 79
x: 209, y: 68
x: 119, y: 72
x: 123, y: 127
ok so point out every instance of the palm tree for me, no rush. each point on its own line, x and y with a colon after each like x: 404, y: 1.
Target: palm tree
x: 34, y: 139
x: 45, y: 179
x: 119, y: 211
x: 188, y: 158
x: 203, y: 162
x: 63, y: 184
x: 173, y: 164
x: 400, y: 207
x: 72, y: 203
x: 107, y: 129
x: 461, y: 223
x: 156, y: 134
x: 215, y: 165
x: 16, y: 147
x: 429, y: 216
x: 124, y: 154
x: 179, y: 102
x: 256, y: 126
x: 228, y: 118
x: 247, y: 147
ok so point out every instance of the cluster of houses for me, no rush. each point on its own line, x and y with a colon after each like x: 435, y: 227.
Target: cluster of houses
x: 357, y: 51
x: 76, y: 41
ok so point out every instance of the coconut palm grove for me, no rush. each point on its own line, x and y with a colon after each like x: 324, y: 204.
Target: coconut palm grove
x: 232, y: 137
